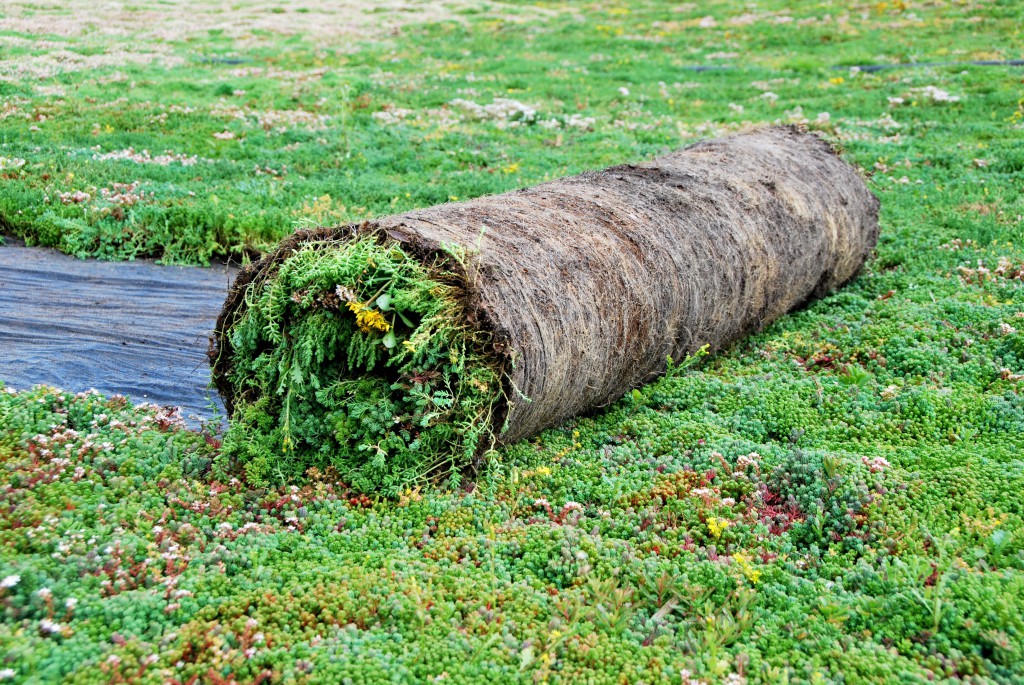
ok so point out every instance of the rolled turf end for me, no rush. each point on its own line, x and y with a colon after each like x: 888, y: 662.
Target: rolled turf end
x: 558, y: 299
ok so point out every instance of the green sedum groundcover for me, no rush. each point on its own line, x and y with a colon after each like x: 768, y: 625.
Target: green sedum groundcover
x: 358, y: 359
x: 834, y: 500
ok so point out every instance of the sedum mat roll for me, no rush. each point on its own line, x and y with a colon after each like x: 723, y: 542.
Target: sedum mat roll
x: 568, y: 294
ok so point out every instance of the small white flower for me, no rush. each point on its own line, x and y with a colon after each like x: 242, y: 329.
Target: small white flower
x: 7, y: 673
x: 10, y: 581
x: 44, y: 592
x: 745, y: 460
x: 51, y: 627
x: 624, y: 91
x: 71, y: 602
x: 876, y: 465
x: 937, y: 94
x: 580, y: 122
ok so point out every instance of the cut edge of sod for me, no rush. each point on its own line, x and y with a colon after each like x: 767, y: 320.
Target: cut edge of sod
x: 354, y: 356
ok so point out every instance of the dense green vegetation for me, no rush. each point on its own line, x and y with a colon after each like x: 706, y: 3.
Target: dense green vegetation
x: 355, y: 356
x: 834, y: 500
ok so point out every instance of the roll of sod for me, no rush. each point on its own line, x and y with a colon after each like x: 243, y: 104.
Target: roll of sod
x: 400, y: 350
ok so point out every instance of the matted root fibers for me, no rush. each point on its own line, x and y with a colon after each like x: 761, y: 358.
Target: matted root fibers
x: 586, y: 285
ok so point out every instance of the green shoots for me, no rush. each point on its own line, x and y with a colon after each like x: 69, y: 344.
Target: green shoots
x: 355, y: 355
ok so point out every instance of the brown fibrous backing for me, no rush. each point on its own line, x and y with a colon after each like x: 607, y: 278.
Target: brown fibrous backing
x: 587, y: 285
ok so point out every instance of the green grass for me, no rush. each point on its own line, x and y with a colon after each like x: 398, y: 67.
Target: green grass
x: 834, y: 500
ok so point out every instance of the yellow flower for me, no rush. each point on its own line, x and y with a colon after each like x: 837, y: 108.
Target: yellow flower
x: 743, y: 560
x: 716, y: 526
x: 368, y: 320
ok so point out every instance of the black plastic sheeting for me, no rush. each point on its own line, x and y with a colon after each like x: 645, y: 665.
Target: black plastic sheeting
x: 135, y: 328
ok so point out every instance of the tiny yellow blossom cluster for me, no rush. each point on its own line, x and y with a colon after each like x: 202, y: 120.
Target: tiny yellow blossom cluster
x: 717, y: 525
x: 743, y: 561
x: 368, y: 320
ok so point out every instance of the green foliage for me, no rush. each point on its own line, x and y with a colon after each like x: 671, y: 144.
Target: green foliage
x: 833, y: 500
x: 354, y: 356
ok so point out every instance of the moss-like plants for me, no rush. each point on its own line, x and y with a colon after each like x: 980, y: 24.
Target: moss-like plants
x: 355, y: 355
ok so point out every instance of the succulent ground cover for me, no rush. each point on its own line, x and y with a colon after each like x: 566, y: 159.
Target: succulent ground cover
x: 836, y: 499
x: 356, y: 355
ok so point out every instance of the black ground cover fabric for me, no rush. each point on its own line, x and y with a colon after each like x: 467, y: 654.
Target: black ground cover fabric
x: 135, y: 328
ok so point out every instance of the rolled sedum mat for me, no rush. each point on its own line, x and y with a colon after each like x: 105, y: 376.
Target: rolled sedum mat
x: 402, y: 349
